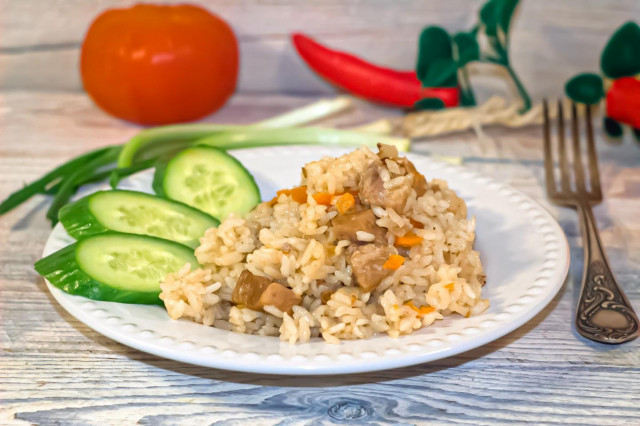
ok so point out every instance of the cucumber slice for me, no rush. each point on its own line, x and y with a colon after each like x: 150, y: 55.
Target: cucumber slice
x: 115, y: 267
x: 208, y: 179
x: 135, y: 213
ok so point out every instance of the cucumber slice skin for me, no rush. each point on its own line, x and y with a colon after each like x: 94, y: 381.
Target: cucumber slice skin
x: 169, y: 181
x: 82, y: 218
x: 63, y: 270
x: 79, y: 221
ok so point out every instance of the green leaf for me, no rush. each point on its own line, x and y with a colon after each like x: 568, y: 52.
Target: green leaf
x: 467, y: 49
x: 612, y: 128
x: 496, y: 15
x: 621, y: 55
x: 585, y: 88
x: 429, y: 104
x: 441, y: 73
x: 436, y: 67
x: 489, y: 18
x: 505, y: 13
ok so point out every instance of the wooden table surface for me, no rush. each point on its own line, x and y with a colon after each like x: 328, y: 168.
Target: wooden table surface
x: 55, y: 370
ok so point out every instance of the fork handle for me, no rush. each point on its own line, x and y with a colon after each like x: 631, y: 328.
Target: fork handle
x: 603, y: 314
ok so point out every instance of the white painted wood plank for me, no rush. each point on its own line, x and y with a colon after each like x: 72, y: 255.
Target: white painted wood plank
x: 27, y: 23
x: 65, y: 21
x: 551, y: 40
x: 55, y: 370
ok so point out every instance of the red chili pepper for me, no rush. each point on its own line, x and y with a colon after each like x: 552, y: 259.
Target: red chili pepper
x: 372, y: 82
x: 623, y: 101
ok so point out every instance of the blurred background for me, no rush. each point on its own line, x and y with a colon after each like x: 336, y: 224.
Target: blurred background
x: 551, y: 40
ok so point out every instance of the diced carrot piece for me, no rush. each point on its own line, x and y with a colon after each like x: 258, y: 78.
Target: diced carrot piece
x: 394, y: 262
x: 408, y: 240
x: 323, y: 198
x: 416, y: 224
x: 412, y: 306
x: 345, y: 203
x: 450, y: 286
x: 424, y: 310
x: 299, y: 194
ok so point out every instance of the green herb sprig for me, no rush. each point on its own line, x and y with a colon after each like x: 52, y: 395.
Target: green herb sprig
x: 443, y: 59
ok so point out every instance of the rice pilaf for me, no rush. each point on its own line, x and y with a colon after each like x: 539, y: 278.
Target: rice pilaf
x: 364, y: 245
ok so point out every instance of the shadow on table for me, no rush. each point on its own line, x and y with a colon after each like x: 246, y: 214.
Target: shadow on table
x: 31, y: 215
x: 304, y: 381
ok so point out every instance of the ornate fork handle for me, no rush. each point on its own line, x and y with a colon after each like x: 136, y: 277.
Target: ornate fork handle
x: 603, y: 314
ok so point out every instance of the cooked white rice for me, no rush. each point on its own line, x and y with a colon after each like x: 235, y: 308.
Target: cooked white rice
x: 293, y: 244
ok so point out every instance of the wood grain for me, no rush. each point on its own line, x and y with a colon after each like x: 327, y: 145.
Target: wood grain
x: 55, y: 370
x: 551, y: 40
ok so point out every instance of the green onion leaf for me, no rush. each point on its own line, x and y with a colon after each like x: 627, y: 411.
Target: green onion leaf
x: 42, y: 185
x: 70, y: 183
x: 177, y: 134
x: 253, y: 137
x: 183, y: 134
x: 308, y: 114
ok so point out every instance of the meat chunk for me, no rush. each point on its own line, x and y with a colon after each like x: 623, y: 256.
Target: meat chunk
x: 373, y: 192
x: 391, y: 152
x: 248, y: 290
x: 279, y: 296
x: 387, y: 151
x: 325, y: 296
x: 345, y: 226
x: 366, y: 263
x: 419, y: 181
x: 404, y: 251
x: 256, y: 292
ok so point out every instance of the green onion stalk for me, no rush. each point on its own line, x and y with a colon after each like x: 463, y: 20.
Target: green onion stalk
x: 252, y: 138
x: 154, y: 145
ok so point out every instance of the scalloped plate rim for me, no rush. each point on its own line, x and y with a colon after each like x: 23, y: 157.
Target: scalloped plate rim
x: 216, y: 359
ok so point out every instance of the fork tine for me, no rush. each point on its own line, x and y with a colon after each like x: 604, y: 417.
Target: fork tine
x: 548, y: 153
x: 562, y: 152
x: 594, y: 175
x: 578, y: 168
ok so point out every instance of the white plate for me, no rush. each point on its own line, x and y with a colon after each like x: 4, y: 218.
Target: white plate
x: 523, y: 249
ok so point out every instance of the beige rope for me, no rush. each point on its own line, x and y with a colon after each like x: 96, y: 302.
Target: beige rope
x: 494, y: 111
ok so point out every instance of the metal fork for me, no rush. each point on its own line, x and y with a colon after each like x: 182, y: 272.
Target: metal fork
x: 603, y: 313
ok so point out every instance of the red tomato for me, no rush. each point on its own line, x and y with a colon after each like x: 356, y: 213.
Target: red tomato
x: 159, y: 64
